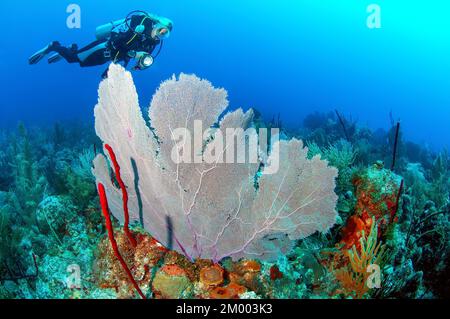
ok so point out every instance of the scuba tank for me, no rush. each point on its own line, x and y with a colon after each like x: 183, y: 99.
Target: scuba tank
x: 103, y: 32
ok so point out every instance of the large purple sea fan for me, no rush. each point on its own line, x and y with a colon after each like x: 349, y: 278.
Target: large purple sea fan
x: 207, y: 209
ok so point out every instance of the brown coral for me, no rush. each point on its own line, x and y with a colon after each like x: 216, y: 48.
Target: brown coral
x: 147, y: 254
x: 247, y: 266
x: 171, y: 282
x: 247, y: 273
x: 231, y: 291
x: 212, y: 276
x: 109, y: 272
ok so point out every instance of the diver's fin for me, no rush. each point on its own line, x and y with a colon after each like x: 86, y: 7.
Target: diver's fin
x: 54, y: 58
x: 38, y: 56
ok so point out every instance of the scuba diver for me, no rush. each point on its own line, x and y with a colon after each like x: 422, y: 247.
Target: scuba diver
x: 135, y: 37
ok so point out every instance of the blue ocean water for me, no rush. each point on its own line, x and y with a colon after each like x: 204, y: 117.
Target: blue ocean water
x: 282, y: 57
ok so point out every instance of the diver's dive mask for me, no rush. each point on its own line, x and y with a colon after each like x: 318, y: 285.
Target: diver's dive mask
x: 160, y: 32
x: 162, y: 28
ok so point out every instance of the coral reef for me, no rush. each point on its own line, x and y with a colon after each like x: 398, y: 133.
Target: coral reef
x: 54, y: 243
x: 163, y: 273
x: 44, y: 231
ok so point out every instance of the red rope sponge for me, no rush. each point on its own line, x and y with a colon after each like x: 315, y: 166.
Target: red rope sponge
x: 126, y: 229
x: 105, y: 210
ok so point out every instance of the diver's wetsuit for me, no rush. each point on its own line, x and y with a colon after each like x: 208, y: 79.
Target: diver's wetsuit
x: 114, y: 49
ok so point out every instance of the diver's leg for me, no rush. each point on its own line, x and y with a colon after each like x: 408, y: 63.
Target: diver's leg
x: 94, y: 54
x: 69, y: 54
x: 90, y: 55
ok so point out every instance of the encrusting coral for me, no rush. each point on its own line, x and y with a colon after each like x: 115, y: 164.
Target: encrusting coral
x: 166, y: 274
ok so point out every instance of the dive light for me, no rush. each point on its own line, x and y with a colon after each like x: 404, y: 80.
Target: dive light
x: 144, y: 59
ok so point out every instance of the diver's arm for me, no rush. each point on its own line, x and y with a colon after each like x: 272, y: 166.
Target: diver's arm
x: 151, y: 45
x: 119, y: 40
x: 126, y: 61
